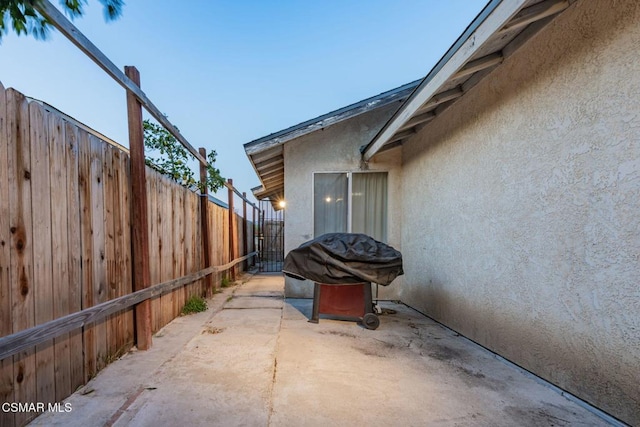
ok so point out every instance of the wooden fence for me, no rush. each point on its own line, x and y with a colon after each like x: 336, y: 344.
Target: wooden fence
x: 65, y: 246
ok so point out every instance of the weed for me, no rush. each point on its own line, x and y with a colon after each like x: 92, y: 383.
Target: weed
x: 212, y: 330
x: 195, y: 304
x: 229, y: 298
x: 109, y: 358
x: 225, y: 282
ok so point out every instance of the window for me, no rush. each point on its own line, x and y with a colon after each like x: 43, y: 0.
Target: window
x: 350, y: 202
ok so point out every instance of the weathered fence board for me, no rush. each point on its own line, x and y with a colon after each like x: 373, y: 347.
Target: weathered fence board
x: 154, y: 274
x: 42, y: 269
x: 166, y: 207
x: 22, y: 293
x: 59, y: 250
x: 6, y: 366
x: 99, y: 246
x: 111, y: 261
x: 190, y: 263
x: 65, y: 252
x: 86, y: 247
x: 127, y: 277
x: 178, y: 245
x: 74, y: 257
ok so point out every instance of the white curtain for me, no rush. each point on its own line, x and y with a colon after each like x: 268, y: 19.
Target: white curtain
x: 369, y: 204
x: 330, y: 194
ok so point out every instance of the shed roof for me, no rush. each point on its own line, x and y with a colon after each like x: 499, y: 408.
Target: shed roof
x: 497, y: 32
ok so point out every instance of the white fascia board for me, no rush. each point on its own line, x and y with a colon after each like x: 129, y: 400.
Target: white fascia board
x: 500, y: 15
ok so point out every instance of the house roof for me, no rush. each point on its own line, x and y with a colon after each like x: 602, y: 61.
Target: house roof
x: 266, y: 153
x: 499, y: 30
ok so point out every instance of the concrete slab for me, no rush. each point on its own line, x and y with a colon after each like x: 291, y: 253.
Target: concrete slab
x: 253, y: 360
x: 253, y: 302
x: 410, y: 371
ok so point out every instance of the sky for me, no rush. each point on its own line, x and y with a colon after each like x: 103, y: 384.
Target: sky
x: 228, y: 72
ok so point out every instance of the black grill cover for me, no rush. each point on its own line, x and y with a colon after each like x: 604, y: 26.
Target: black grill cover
x: 342, y: 258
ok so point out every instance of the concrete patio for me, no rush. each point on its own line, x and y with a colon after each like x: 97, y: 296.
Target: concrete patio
x: 252, y: 359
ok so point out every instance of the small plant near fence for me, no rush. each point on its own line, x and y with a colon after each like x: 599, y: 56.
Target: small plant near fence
x: 195, y: 304
x: 225, y: 282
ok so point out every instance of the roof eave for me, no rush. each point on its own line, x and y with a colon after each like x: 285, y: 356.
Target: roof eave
x: 497, y: 18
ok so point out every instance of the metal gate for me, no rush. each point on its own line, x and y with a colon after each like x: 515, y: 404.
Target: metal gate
x: 271, y: 237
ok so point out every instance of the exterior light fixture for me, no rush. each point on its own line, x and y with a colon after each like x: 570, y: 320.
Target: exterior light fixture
x: 328, y: 200
x: 282, y: 204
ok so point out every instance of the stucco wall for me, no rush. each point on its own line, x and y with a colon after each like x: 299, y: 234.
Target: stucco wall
x: 527, y: 198
x: 335, y: 149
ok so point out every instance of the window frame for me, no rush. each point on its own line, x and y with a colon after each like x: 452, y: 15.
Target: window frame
x: 349, y: 195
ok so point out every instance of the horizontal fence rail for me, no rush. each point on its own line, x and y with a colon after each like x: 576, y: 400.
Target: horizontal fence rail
x: 65, y: 26
x: 15, y: 343
x: 239, y: 194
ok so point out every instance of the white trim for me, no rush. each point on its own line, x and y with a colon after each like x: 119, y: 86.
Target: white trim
x: 429, y: 87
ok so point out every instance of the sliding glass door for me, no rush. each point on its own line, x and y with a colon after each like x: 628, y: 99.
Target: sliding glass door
x: 353, y: 202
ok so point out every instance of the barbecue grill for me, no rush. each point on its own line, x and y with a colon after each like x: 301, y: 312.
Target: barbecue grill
x: 343, y: 266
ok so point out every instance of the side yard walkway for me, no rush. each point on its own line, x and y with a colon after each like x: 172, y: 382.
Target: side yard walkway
x: 252, y: 359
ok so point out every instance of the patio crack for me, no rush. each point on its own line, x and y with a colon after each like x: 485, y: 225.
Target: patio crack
x: 275, y: 370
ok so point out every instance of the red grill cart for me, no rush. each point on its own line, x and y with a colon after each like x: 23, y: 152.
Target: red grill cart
x: 350, y: 301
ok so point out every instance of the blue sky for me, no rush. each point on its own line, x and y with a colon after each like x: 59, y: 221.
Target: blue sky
x: 228, y: 72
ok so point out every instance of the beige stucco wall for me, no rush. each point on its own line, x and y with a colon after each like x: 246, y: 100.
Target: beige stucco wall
x: 521, y: 225
x: 335, y: 149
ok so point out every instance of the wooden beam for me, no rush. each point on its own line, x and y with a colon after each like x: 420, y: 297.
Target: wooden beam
x: 441, y: 97
x: 273, y: 173
x: 524, y: 36
x: 279, y: 161
x: 270, y: 192
x: 534, y: 13
x: 402, y: 135
x: 269, y: 166
x: 25, y: 339
x: 139, y: 220
x: 238, y: 193
x: 204, y: 223
x: 274, y: 178
x: 479, y: 64
x: 274, y: 152
x: 58, y: 20
x: 491, y: 19
x: 390, y: 145
x: 274, y: 167
x: 273, y: 182
x: 421, y: 118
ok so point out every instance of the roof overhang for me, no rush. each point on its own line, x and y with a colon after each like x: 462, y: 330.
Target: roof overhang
x: 498, y: 31
x: 267, y: 154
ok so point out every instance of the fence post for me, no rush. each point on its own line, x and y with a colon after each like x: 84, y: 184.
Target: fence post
x: 245, y: 235
x: 261, y: 238
x: 204, y: 223
x: 232, y: 233
x: 253, y: 235
x: 139, y: 220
